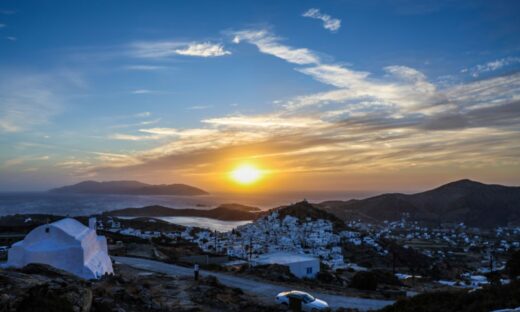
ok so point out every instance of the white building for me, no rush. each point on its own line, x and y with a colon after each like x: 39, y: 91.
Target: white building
x: 301, y: 266
x: 66, y: 244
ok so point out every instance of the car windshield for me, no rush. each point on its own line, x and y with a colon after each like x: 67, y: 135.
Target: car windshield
x: 308, y: 298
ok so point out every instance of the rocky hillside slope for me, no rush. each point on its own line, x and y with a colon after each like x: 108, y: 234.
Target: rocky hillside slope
x: 474, y: 203
x: 44, y: 289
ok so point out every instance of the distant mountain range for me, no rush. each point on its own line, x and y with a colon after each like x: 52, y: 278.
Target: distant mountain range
x: 129, y: 188
x: 474, y: 203
x: 225, y: 212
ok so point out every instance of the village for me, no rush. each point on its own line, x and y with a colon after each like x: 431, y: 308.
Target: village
x: 451, y: 255
x: 295, y: 247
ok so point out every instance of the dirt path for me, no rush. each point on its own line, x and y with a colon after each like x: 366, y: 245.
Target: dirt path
x: 263, y: 290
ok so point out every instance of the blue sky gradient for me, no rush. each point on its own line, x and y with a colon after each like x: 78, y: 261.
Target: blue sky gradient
x: 182, y: 91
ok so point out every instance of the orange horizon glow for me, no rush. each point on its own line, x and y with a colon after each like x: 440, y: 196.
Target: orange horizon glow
x: 246, y: 174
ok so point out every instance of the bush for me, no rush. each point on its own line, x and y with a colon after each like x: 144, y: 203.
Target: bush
x: 364, y: 281
x: 489, y: 298
x: 513, y: 264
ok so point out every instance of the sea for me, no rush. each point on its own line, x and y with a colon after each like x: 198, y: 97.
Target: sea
x: 90, y: 204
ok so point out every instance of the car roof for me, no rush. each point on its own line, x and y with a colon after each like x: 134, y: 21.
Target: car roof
x: 295, y: 293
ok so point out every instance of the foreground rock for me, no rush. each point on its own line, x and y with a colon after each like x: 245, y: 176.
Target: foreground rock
x: 42, y: 288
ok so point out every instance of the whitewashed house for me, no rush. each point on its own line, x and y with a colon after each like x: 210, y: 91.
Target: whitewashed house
x: 66, y: 244
x: 301, y: 266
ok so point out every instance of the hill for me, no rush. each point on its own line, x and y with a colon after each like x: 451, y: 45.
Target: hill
x: 303, y: 210
x: 474, y: 203
x: 489, y: 298
x: 225, y: 212
x: 129, y: 188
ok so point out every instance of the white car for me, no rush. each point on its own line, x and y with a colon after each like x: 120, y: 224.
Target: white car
x: 309, y: 303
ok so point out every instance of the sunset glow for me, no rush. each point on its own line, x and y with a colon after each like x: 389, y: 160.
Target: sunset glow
x: 353, y: 99
x: 246, y: 174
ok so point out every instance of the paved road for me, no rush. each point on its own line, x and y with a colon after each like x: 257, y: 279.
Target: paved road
x: 263, y: 290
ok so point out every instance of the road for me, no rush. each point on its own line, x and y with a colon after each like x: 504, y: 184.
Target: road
x: 263, y: 290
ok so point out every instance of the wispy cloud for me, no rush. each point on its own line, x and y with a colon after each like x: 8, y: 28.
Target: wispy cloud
x: 11, y: 38
x: 329, y: 23
x: 31, y: 100
x: 13, y: 162
x: 2, y: 25
x: 366, y: 123
x: 163, y: 49
x: 199, y: 107
x: 264, y: 121
x: 491, y: 66
x: 205, y: 49
x: 142, y: 91
x: 143, y: 114
x: 270, y: 44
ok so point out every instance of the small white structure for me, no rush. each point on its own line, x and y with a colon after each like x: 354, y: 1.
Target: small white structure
x: 66, y: 244
x: 302, y: 266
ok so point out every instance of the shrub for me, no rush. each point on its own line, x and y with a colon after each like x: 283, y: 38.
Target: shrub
x: 364, y: 281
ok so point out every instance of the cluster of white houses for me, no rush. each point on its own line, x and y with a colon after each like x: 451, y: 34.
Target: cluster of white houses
x: 300, y: 245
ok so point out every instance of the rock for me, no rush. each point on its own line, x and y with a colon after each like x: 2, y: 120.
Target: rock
x: 42, y: 288
x: 34, y: 292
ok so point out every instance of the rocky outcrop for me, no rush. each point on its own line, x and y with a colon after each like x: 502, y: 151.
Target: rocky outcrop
x: 48, y: 290
x: 42, y: 288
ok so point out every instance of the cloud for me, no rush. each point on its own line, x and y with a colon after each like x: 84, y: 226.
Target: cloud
x: 368, y: 123
x: 264, y: 121
x: 203, y: 49
x: 129, y: 137
x: 329, y: 23
x: 163, y: 49
x: 404, y: 88
x: 143, y: 114
x: 11, y: 38
x: 142, y: 91
x: 199, y: 107
x: 491, y: 66
x: 137, y: 123
x: 30, y: 100
x: 13, y: 162
x: 2, y: 25
x: 270, y: 44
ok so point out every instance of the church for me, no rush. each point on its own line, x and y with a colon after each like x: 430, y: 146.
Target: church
x: 67, y: 245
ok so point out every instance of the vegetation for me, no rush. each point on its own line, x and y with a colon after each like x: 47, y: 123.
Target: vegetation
x: 364, y: 281
x: 487, y: 299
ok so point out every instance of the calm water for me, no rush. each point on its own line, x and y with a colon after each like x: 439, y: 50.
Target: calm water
x: 81, y: 204
x: 212, y: 224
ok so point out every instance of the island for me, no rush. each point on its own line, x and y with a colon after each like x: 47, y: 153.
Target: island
x: 224, y: 212
x: 129, y: 188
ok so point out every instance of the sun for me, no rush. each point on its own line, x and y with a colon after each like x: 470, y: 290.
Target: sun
x: 246, y: 174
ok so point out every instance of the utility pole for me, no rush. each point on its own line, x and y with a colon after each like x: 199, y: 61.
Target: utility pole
x: 215, y: 241
x: 490, y: 260
x: 250, y: 248
x: 393, y: 261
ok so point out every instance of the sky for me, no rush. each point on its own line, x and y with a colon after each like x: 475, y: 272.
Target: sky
x: 390, y: 95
